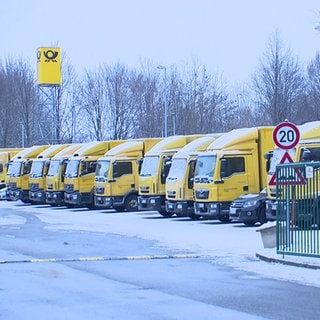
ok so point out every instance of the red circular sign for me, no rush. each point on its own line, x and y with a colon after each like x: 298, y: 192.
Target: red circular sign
x: 286, y: 135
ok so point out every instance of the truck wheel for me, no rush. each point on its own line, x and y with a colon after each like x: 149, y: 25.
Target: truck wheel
x: 131, y: 203
x: 194, y: 216
x: 166, y: 214
x: 225, y: 219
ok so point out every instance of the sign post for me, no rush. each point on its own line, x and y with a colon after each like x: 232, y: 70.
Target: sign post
x: 286, y: 136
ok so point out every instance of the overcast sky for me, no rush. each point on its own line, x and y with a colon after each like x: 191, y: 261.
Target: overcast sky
x: 227, y: 36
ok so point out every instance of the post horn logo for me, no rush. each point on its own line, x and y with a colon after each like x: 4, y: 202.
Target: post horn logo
x: 50, y: 55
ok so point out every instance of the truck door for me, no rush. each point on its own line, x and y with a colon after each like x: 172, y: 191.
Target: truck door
x: 122, y: 178
x: 235, y: 178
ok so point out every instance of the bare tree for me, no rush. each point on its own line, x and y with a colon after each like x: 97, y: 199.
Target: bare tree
x: 205, y: 104
x: 278, y: 83
x: 22, y: 102
x: 121, y: 114
x: 92, y: 111
x: 146, y: 103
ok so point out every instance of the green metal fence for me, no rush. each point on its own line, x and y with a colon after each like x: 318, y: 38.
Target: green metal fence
x: 298, y: 208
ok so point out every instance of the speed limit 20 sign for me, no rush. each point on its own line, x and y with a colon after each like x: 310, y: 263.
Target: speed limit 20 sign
x: 286, y: 135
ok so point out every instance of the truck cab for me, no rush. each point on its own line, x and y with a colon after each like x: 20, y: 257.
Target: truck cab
x: 233, y: 165
x: 19, y: 173
x: 116, y: 181
x: 179, y: 183
x: 80, y: 173
x: 38, y: 173
x: 154, y: 171
x: 55, y: 176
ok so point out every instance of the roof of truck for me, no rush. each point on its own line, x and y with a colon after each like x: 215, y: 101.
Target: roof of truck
x: 309, y: 130
x: 51, y: 151
x: 237, y: 136
x: 197, y: 145
x: 31, y: 152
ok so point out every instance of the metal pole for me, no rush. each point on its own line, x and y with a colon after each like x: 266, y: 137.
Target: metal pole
x: 165, y: 101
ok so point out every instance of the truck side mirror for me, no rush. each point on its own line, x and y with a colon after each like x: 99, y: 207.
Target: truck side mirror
x: 223, y: 167
x: 115, y: 170
x: 166, y: 168
x: 83, y: 167
x: 268, y: 156
x: 139, y: 163
x: 192, y: 164
x: 190, y: 182
x: 306, y: 155
x: 165, y: 172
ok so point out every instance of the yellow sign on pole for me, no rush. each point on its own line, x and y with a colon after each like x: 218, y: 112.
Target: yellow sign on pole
x: 49, y: 66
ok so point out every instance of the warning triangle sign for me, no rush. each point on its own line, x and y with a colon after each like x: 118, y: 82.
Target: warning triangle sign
x: 298, y: 179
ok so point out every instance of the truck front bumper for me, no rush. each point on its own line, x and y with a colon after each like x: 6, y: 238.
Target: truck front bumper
x: 103, y: 202
x: 37, y: 196
x: 14, y: 194
x: 180, y: 208
x: 212, y: 210
x: 154, y: 203
x: 73, y: 198
x: 55, y: 198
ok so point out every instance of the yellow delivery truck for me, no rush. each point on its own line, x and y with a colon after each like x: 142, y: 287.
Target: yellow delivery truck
x: 19, y: 172
x: 55, y: 176
x: 154, y: 171
x: 80, y: 173
x: 38, y: 173
x: 116, y: 182
x: 233, y: 165
x: 179, y: 183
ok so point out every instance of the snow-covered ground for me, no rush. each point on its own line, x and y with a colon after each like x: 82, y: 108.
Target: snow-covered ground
x: 227, y: 244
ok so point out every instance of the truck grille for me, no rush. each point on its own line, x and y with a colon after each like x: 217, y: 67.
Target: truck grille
x: 202, y: 194
x: 144, y: 189
x: 34, y: 186
x: 171, y: 194
x: 13, y: 185
x: 99, y: 190
x: 69, y: 188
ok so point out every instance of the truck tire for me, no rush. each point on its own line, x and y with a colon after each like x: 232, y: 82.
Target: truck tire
x: 193, y: 216
x: 166, y: 214
x: 225, y: 219
x: 131, y: 203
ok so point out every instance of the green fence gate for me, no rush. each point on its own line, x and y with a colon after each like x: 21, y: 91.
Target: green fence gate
x: 298, y: 209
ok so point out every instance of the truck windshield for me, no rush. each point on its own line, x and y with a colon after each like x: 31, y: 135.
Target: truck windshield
x: 72, y: 169
x: 277, y: 156
x: 177, y: 170
x: 102, y: 170
x: 37, y: 169
x: 149, y: 166
x: 15, y: 169
x: 53, y: 168
x: 204, y: 169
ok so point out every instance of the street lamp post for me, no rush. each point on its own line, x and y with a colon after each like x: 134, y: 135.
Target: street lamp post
x: 165, y: 100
